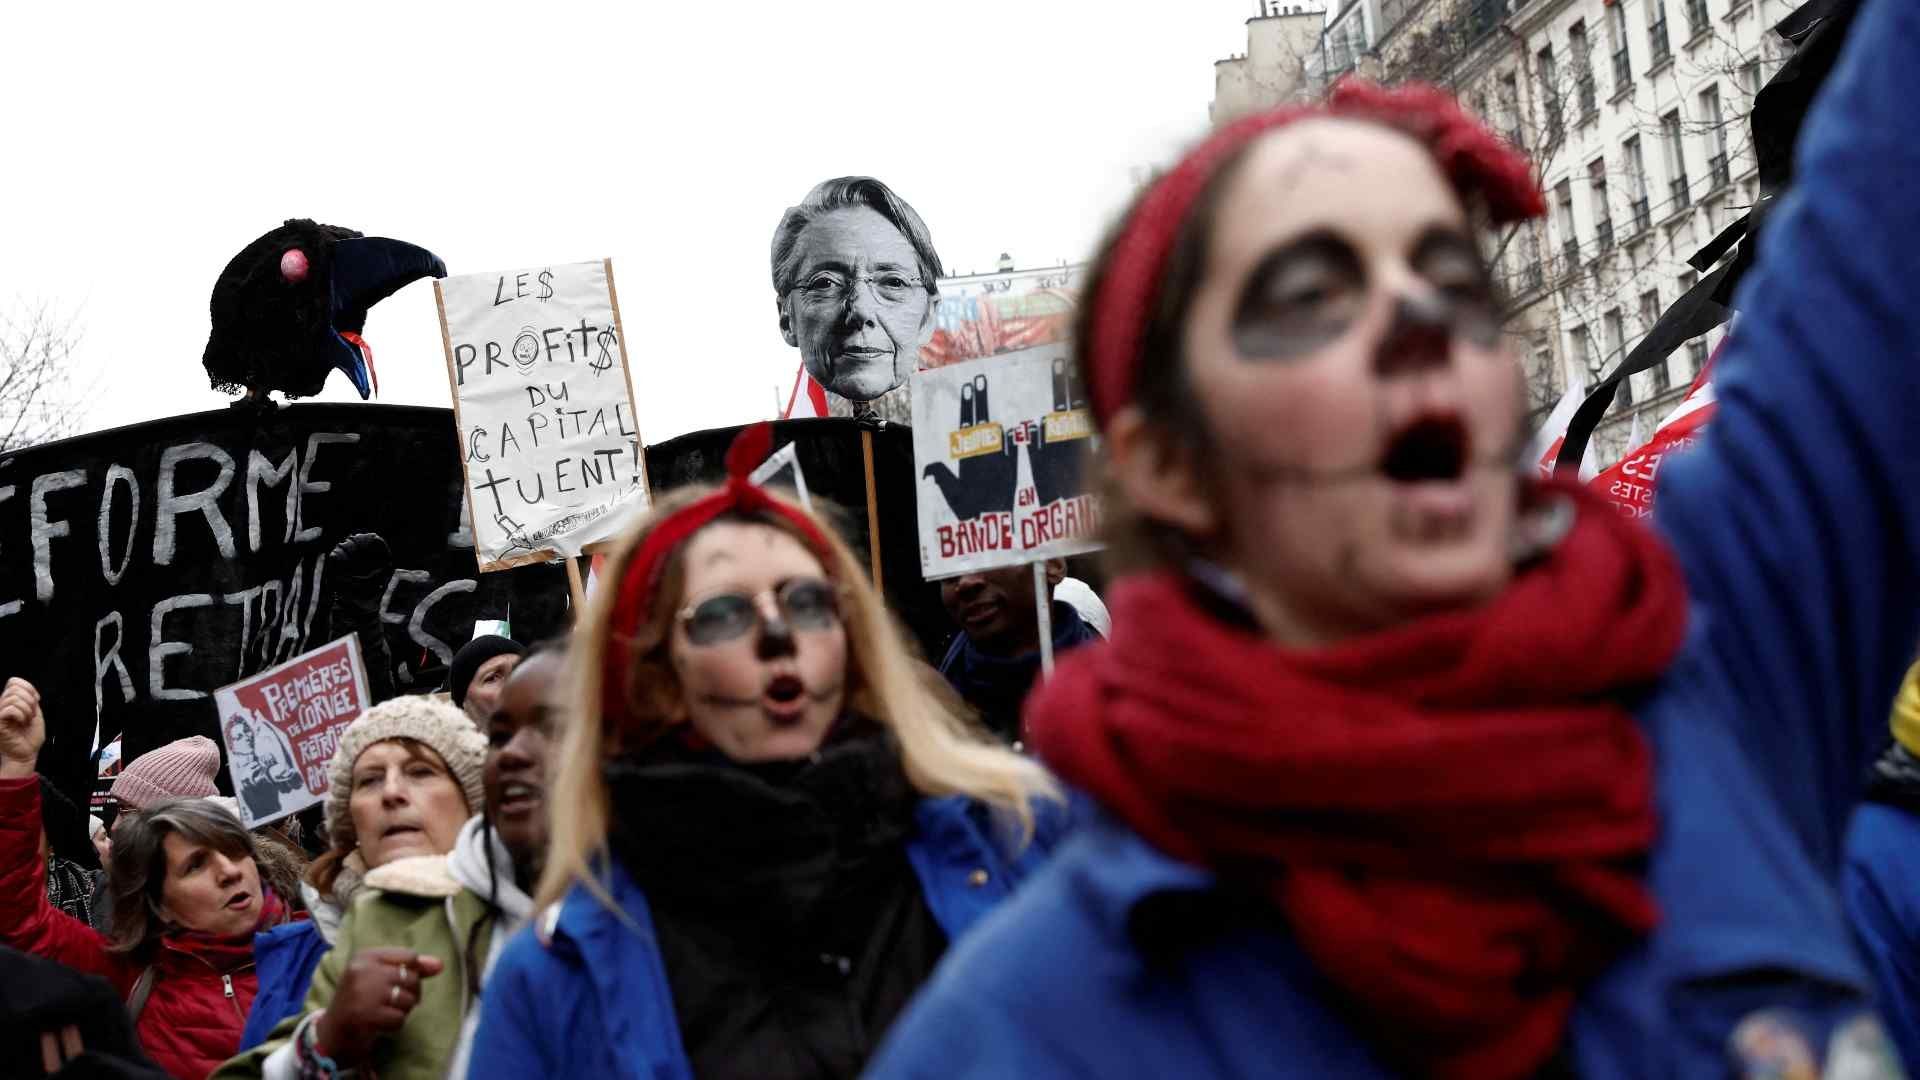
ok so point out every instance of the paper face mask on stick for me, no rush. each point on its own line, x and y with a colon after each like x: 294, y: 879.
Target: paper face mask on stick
x: 854, y: 274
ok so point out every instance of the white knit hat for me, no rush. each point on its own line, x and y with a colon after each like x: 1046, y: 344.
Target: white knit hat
x: 447, y: 730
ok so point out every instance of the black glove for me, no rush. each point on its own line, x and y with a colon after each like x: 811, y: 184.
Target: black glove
x: 357, y: 569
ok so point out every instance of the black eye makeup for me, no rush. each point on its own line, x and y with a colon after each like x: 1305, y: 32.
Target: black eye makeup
x: 1305, y: 294
x: 1299, y: 298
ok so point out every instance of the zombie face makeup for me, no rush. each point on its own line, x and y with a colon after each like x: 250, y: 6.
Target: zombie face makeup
x: 1343, y: 349
x: 1308, y: 292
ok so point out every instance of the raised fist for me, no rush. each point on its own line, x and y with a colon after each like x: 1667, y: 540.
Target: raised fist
x: 23, y: 730
x: 358, y: 568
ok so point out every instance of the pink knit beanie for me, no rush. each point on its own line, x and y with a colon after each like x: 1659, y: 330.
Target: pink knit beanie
x: 184, y: 768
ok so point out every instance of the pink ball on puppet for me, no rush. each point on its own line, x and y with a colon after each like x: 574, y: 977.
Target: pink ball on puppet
x: 293, y: 266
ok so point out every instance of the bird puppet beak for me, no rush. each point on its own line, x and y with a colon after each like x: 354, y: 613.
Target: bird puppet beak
x: 367, y: 270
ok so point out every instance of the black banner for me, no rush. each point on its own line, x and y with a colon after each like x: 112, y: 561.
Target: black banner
x: 141, y: 568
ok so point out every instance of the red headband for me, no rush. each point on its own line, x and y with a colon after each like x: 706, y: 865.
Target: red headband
x: 643, y: 572
x: 1472, y: 158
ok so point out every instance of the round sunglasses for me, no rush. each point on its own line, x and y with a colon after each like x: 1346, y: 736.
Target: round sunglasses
x: 804, y: 603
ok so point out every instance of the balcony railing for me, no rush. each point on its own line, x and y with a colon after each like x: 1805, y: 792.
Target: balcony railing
x: 1622, y: 71
x: 1657, y: 41
x: 1642, y: 215
x: 1589, y: 94
x: 1603, y: 235
x: 1678, y: 189
x: 1717, y: 169
x: 1697, y: 17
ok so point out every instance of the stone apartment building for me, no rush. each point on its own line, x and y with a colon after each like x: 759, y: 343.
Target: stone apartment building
x: 1634, y: 112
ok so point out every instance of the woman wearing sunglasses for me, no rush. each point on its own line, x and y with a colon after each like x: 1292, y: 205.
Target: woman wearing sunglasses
x: 769, y: 821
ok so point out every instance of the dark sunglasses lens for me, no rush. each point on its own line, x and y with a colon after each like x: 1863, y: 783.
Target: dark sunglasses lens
x: 809, y: 605
x: 720, y: 618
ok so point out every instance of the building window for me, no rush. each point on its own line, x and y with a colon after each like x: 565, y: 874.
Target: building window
x: 1697, y: 22
x: 1657, y: 32
x: 1550, y: 91
x: 1616, y: 327
x: 1696, y: 356
x: 1718, y: 171
x: 1602, y: 212
x: 1622, y: 60
x: 1583, y: 69
x: 1678, y: 196
x: 1750, y: 78
x: 1637, y: 185
x: 1584, y: 353
x: 1509, y: 97
x: 1563, y: 218
x: 1536, y: 271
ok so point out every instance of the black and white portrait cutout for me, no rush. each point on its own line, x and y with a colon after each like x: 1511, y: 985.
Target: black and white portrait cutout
x: 263, y: 768
x: 857, y: 280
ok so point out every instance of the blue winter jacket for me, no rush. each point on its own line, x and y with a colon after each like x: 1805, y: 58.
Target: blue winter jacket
x: 593, y: 1001
x: 284, y: 958
x: 1797, y: 521
x: 1881, y: 887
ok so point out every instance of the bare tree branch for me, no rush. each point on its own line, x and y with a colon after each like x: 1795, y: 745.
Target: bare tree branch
x: 40, y: 396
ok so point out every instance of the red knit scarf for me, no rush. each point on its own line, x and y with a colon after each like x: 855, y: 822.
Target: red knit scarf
x: 1450, y: 814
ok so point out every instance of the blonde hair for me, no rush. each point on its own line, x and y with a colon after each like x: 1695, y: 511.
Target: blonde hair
x: 942, y: 751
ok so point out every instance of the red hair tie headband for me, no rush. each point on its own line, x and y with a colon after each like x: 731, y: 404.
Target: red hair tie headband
x: 1474, y: 160
x: 643, y: 572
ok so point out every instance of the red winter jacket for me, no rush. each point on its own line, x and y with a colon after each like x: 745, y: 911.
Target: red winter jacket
x: 201, y: 990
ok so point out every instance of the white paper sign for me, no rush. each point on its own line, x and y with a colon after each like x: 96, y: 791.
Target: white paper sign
x: 998, y: 444
x: 544, y: 407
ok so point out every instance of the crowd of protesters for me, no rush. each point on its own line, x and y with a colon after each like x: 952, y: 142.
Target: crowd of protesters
x: 1386, y: 760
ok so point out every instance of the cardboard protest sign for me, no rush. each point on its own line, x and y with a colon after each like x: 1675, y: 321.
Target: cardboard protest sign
x: 143, y: 567
x: 281, y: 726
x: 544, y: 406
x: 999, y: 444
x: 994, y: 314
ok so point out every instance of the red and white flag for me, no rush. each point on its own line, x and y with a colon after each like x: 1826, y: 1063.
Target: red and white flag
x: 1545, y: 447
x: 808, y: 398
x: 1629, y: 484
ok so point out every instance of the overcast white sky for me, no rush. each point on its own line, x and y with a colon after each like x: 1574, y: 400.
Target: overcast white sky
x: 148, y: 143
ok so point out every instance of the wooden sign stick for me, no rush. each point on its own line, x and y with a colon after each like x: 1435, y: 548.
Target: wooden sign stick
x: 576, y: 586
x: 873, y: 506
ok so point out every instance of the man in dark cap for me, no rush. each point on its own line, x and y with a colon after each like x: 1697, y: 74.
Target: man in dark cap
x: 478, y: 672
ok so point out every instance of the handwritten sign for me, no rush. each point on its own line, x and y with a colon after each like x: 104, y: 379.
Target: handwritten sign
x: 999, y: 445
x: 282, y: 725
x: 544, y: 407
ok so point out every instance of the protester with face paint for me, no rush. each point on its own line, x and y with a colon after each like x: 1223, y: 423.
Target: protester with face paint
x: 995, y: 659
x: 187, y: 902
x: 856, y: 280
x: 363, y: 985
x: 1414, y: 765
x: 766, y: 826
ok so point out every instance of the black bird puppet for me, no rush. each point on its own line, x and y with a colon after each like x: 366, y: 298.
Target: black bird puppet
x: 290, y: 307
